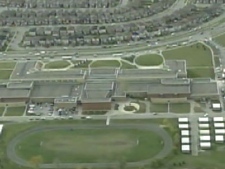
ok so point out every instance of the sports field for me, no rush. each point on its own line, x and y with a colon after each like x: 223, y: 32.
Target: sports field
x: 57, y: 64
x: 149, y: 60
x: 86, y: 146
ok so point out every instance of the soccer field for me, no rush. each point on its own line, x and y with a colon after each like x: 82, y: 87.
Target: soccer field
x: 91, y: 145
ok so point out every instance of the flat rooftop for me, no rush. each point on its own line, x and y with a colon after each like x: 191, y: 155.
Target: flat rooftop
x: 65, y: 100
x: 109, y: 85
x: 52, y: 75
x: 98, y: 71
x: 55, y: 90
x: 175, y: 81
x: 96, y: 96
x: 151, y: 88
x: 203, y: 89
x: 146, y: 73
x: 14, y: 93
x: 19, y: 85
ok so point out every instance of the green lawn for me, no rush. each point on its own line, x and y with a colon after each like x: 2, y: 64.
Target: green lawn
x: 159, y: 108
x: 129, y: 108
x: 126, y: 65
x: 208, y: 159
x: 201, y: 73
x: 180, y: 107
x: 15, y: 111
x: 142, y: 108
x: 106, y: 145
x: 149, y: 60
x: 60, y: 64
x: 5, y: 74
x: 198, y: 110
x: 2, y: 110
x: 205, y: 160
x: 195, y: 55
x: 7, y: 65
x: 220, y: 40
x: 105, y: 63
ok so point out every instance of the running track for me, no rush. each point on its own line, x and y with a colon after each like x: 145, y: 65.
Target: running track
x: 168, y: 144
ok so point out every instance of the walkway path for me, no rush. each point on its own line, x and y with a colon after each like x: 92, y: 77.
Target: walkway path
x: 168, y: 145
x: 194, y: 135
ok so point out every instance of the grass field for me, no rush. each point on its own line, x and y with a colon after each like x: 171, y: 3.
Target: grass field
x: 195, y: 55
x: 180, y: 107
x: 91, y: 145
x: 57, y: 64
x: 5, y: 74
x: 198, y: 110
x: 149, y: 60
x: 105, y: 63
x: 201, y: 72
x: 142, y: 108
x: 2, y: 110
x: 126, y: 65
x: 159, y: 108
x: 7, y: 65
x: 208, y: 159
x: 15, y: 111
x: 220, y: 39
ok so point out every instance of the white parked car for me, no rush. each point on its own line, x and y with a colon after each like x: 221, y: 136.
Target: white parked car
x: 88, y: 117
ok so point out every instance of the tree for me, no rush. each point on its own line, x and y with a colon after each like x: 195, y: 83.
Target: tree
x: 36, y: 161
x: 175, y: 151
x: 157, y: 163
x: 176, y: 139
x: 169, y: 125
